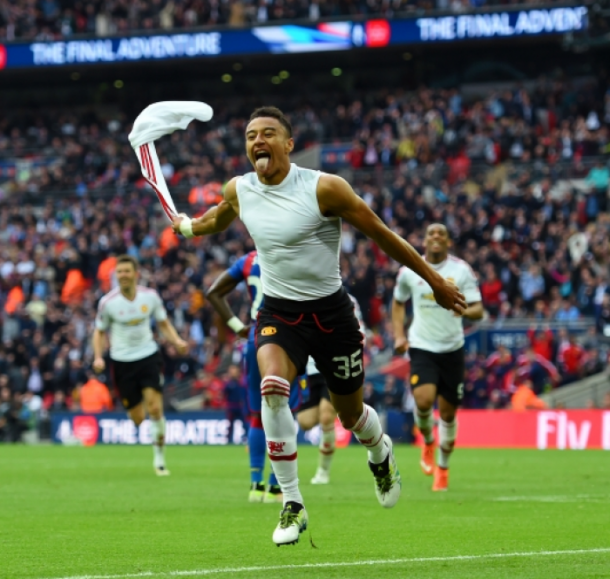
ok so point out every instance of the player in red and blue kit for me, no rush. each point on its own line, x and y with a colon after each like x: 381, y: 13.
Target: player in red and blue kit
x: 246, y: 269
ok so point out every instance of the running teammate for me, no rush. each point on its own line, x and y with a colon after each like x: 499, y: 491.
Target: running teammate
x: 247, y: 269
x: 436, y: 347
x: 125, y: 313
x: 294, y: 217
x: 318, y: 409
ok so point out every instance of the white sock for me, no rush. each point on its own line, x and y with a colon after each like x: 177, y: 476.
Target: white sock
x: 157, y: 431
x: 281, y: 435
x: 368, y: 431
x: 327, y: 446
x: 447, y: 432
x: 425, y: 422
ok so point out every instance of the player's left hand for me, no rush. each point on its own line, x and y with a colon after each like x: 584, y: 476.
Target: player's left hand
x: 448, y: 296
x: 245, y: 332
x: 181, y: 347
x: 177, y: 221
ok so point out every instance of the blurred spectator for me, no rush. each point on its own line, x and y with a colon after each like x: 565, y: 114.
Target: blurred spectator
x: 235, y: 397
x: 524, y: 398
x: 598, y: 179
x: 531, y: 285
x: 492, y: 291
x: 58, y: 403
x: 536, y: 369
x: 476, y: 389
x: 392, y: 395
x: 94, y: 396
x: 17, y: 417
x: 212, y: 389
x: 542, y: 342
x: 571, y: 359
x: 568, y: 312
x: 370, y: 396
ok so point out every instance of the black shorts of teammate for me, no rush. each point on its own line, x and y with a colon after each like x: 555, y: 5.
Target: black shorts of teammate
x: 316, y: 389
x: 130, y: 378
x: 326, y: 329
x: 445, y: 370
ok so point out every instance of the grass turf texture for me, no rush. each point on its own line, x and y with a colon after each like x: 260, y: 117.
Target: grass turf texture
x: 69, y: 511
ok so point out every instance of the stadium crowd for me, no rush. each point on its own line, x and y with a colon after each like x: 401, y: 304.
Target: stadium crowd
x: 56, y: 19
x: 519, y: 177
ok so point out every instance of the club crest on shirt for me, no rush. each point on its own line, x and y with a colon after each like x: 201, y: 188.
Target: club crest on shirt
x: 144, y: 308
x: 414, y: 379
x: 268, y: 331
x: 430, y: 297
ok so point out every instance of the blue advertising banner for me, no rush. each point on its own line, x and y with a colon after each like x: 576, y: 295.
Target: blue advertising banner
x: 334, y: 157
x: 182, y: 428
x: 289, y: 38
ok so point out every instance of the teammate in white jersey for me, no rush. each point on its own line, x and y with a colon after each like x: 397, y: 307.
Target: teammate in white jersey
x: 294, y: 217
x: 318, y: 409
x: 436, y: 347
x: 125, y: 313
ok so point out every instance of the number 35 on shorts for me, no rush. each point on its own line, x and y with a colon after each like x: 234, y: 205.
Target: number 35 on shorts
x: 348, y: 366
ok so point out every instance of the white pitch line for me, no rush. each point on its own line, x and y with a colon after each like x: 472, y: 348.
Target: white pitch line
x: 223, y: 570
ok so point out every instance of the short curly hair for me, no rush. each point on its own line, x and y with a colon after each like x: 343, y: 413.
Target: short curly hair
x: 274, y: 113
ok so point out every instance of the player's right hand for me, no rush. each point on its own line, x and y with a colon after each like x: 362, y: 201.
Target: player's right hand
x: 99, y: 365
x: 448, y: 296
x: 245, y: 332
x: 401, y: 345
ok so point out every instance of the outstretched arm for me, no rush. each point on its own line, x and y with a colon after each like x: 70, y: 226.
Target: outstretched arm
x: 336, y: 197
x: 217, y: 294
x: 214, y: 220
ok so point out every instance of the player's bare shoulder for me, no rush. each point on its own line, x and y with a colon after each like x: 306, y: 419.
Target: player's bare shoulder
x: 333, y: 193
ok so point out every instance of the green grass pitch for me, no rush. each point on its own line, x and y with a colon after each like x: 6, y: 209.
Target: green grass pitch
x: 69, y: 512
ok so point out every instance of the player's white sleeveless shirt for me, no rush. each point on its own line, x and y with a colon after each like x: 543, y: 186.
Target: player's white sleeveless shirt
x: 298, y: 248
x: 131, y: 338
x: 433, y: 328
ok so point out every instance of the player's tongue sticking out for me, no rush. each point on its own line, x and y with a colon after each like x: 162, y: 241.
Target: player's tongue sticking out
x: 262, y: 161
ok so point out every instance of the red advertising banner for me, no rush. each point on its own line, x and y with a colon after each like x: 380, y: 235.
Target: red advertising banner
x: 561, y: 429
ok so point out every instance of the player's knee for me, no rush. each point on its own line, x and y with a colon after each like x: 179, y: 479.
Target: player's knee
x: 327, y: 417
x: 275, y: 401
x: 275, y: 392
x: 447, y: 415
x: 305, y: 423
x: 424, y: 403
x: 154, y: 408
x: 137, y: 417
x: 348, y: 420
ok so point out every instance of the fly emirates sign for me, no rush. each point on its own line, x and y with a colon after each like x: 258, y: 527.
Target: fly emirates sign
x: 560, y: 429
